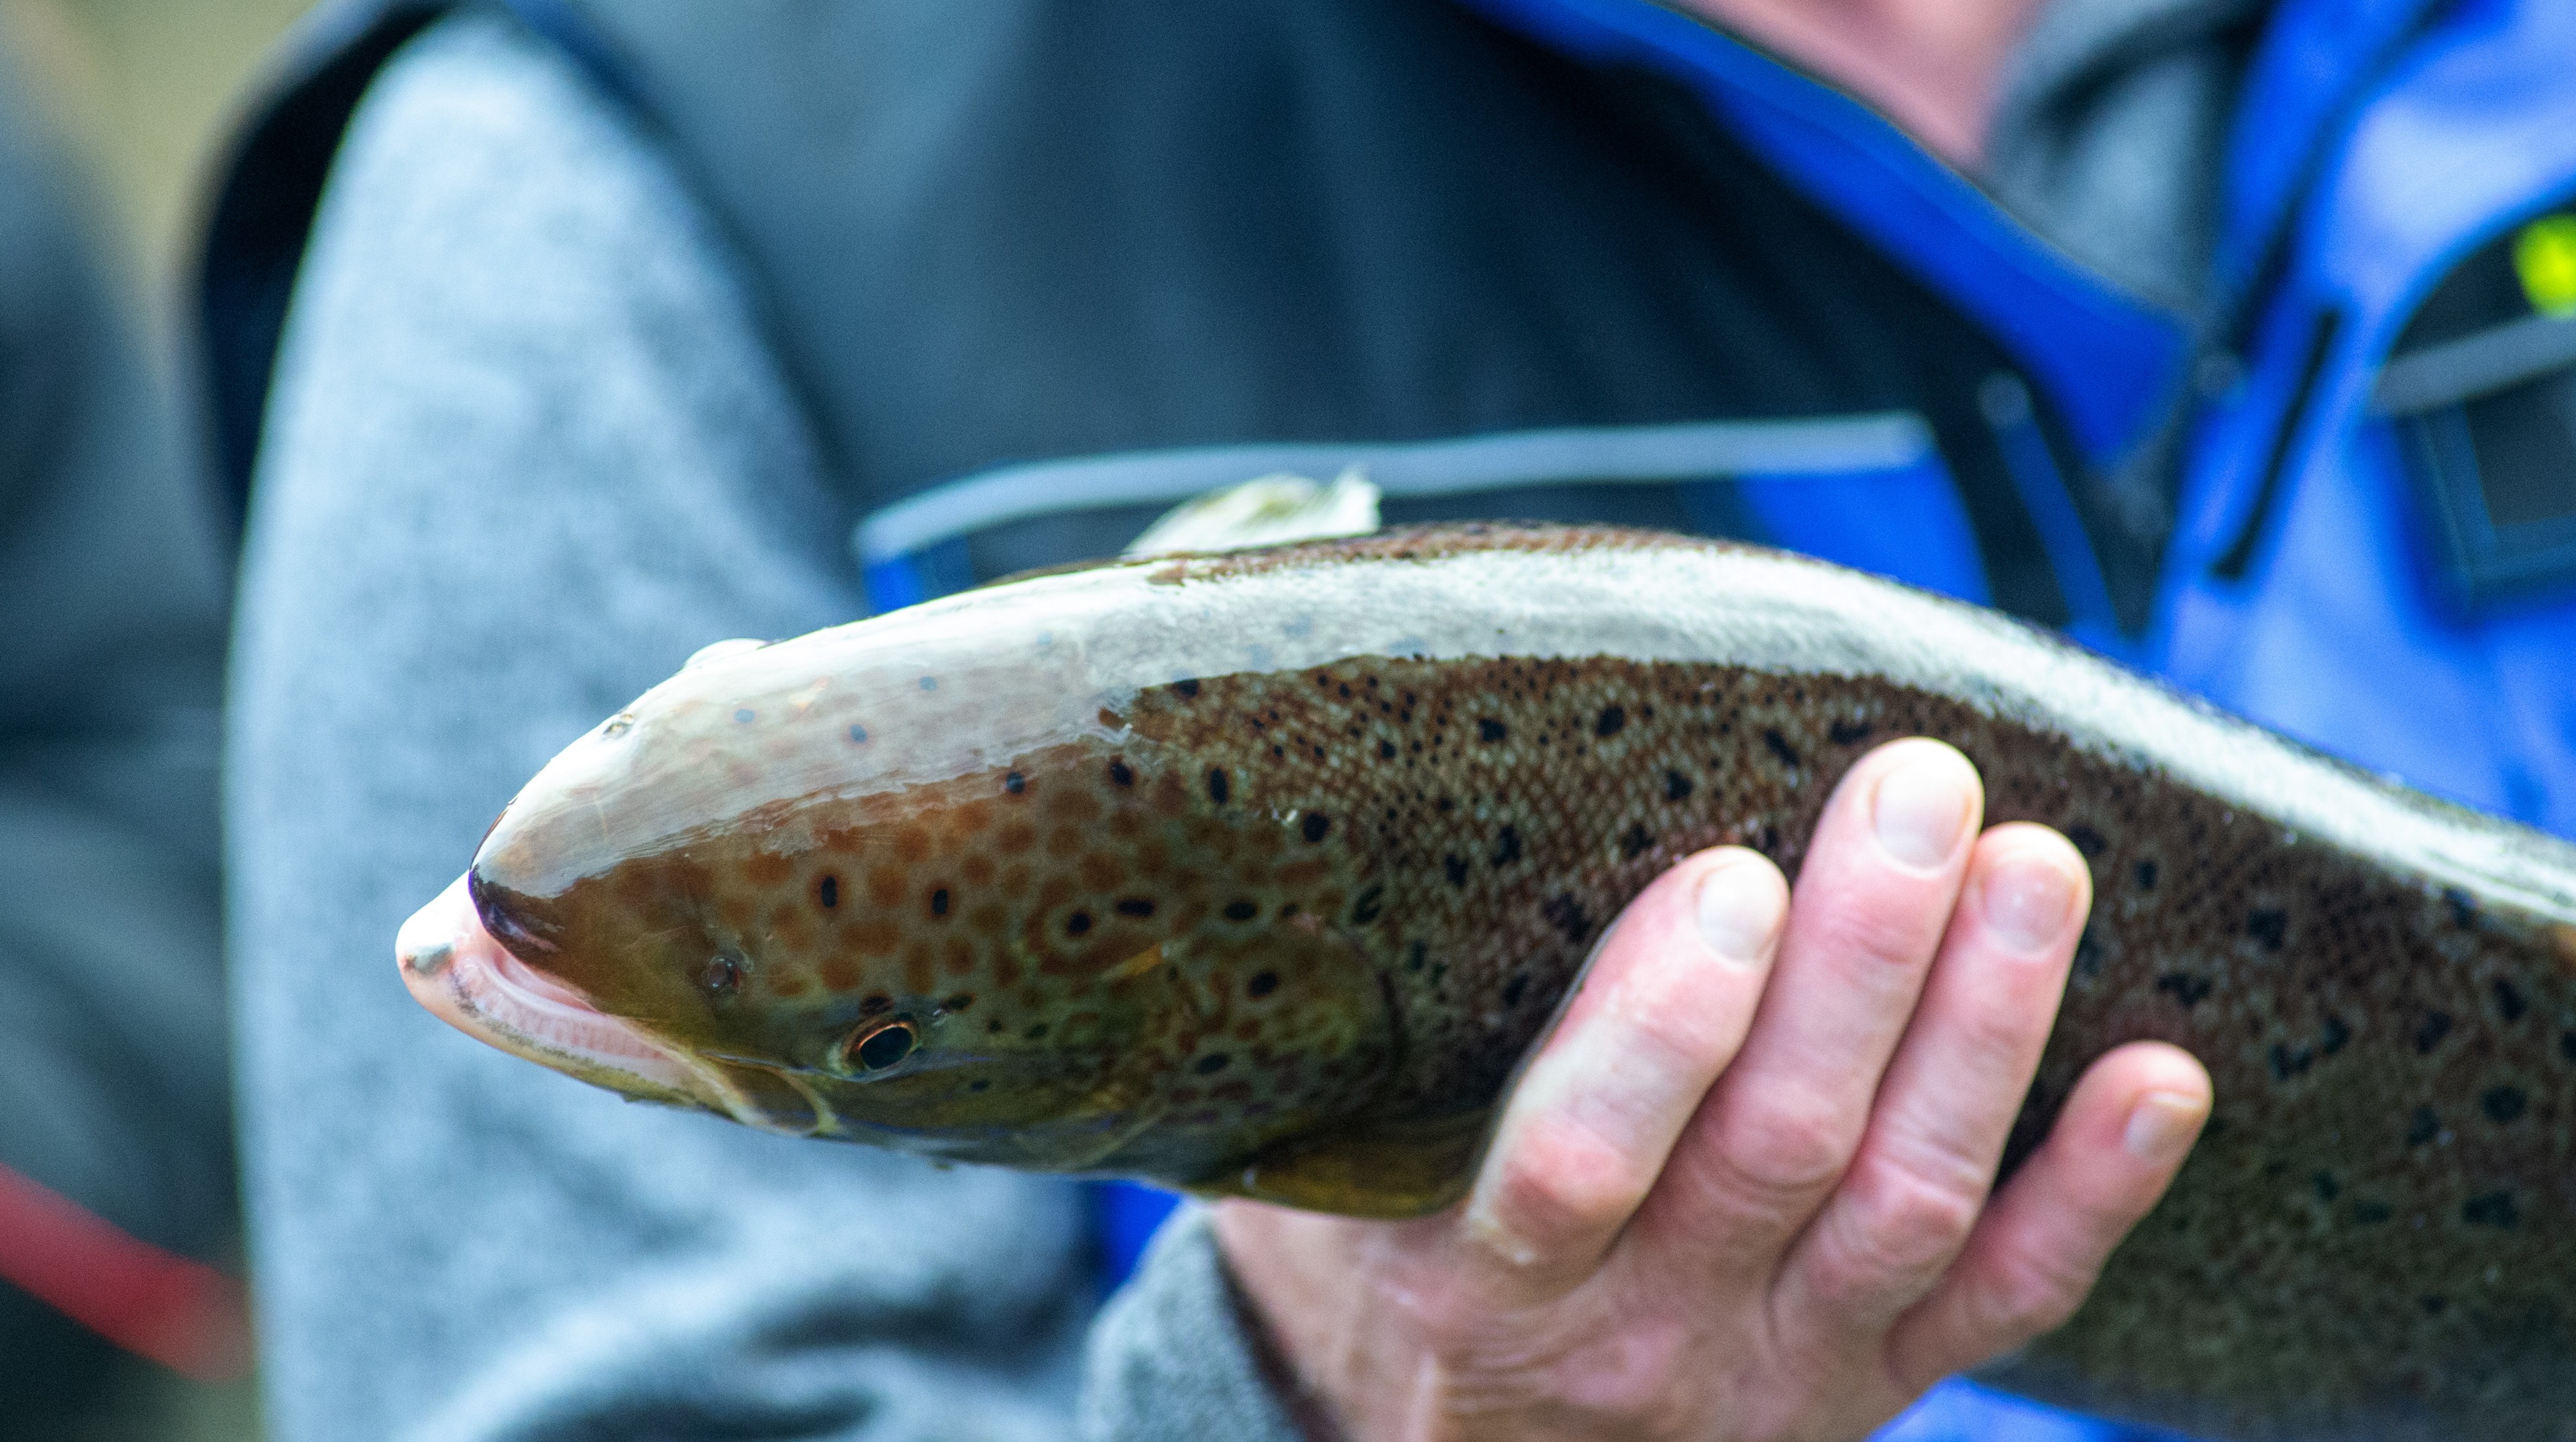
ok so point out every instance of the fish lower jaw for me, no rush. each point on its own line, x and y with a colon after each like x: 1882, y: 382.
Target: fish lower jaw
x: 464, y: 976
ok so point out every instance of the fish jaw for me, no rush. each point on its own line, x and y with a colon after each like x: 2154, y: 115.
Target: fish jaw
x: 453, y: 965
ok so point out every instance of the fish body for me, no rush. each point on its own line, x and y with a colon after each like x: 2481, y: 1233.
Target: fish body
x: 1260, y: 873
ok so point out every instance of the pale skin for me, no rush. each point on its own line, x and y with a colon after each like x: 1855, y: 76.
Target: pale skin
x: 1746, y: 1188
x: 1934, y: 67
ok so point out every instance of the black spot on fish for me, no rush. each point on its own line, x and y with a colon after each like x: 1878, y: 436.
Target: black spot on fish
x: 1135, y: 906
x: 1036, y: 1033
x: 1077, y: 924
x: 1567, y: 915
x: 2088, y: 841
x: 1015, y: 783
x: 2146, y: 876
x: 2327, y: 1188
x: 827, y: 892
x: 1211, y: 1064
x: 1120, y: 772
x: 1241, y: 911
x: 746, y: 716
x: 2288, y: 1062
x: 1677, y: 787
x: 1367, y: 908
x: 1262, y: 984
x: 2335, y: 1037
x: 2437, y: 1025
x: 2422, y: 1127
x: 2371, y: 1214
x: 2503, y: 1104
x: 962, y: 1001
x: 2433, y: 1305
x: 859, y: 734
x: 2184, y: 987
x: 1507, y: 847
x: 1315, y: 825
x: 1456, y: 866
x: 980, y: 1084
x: 1609, y: 722
x: 1780, y: 747
x: 2269, y: 926
x: 2464, y: 907
x: 1413, y: 956
x: 2491, y: 1209
x: 2088, y: 955
x: 2509, y: 1002
x: 939, y: 902
x: 1386, y: 751
x: 1218, y: 787
x: 1635, y: 843
x: 1514, y: 990
x: 1490, y: 729
x: 1848, y: 733
x: 1188, y: 689
x: 2567, y: 1045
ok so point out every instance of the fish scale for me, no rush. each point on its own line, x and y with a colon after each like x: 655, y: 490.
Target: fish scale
x: 1260, y: 874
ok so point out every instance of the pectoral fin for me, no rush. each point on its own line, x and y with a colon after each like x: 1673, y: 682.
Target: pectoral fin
x: 1389, y: 1168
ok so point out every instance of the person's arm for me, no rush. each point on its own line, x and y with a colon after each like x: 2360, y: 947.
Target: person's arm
x: 526, y: 453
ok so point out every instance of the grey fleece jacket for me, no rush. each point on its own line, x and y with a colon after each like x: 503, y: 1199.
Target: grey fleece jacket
x: 525, y: 453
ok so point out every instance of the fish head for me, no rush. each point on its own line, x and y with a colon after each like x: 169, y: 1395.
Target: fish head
x: 922, y: 916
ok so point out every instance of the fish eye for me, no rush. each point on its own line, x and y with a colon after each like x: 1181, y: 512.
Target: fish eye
x: 884, y: 1047
x: 722, y: 974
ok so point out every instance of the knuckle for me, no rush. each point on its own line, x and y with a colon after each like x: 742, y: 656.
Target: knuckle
x: 1917, y: 1221
x: 1783, y: 1149
x: 1561, y: 1180
x: 1895, y: 1233
x: 2031, y: 1295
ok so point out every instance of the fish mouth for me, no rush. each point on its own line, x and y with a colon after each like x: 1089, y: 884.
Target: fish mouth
x: 453, y: 965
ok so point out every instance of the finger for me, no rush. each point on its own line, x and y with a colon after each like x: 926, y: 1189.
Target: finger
x: 2114, y: 1149
x: 1947, y: 1105
x: 1662, y: 1010
x: 1864, y: 921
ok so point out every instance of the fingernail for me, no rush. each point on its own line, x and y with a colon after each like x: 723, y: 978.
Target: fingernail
x: 2163, y: 1126
x: 1740, y: 907
x: 1921, y: 808
x: 2027, y: 901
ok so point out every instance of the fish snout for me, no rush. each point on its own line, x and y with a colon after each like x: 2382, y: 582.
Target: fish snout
x: 456, y: 965
x: 515, y: 919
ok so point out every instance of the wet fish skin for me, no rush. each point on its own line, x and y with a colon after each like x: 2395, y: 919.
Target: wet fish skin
x: 1259, y: 873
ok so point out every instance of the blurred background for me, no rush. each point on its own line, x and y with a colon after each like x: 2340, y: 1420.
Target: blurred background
x: 140, y: 93
x: 143, y: 90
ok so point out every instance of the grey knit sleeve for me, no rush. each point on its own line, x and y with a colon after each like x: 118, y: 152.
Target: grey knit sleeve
x: 525, y: 453
x: 1177, y: 1354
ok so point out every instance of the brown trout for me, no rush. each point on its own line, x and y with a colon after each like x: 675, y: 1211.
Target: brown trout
x: 1258, y: 873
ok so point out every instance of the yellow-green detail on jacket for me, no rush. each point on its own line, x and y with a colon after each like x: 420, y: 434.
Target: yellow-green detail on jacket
x: 1259, y: 873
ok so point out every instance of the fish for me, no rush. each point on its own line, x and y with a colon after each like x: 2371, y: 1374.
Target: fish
x: 1258, y: 873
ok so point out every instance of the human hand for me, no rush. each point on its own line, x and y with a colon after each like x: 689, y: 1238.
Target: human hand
x: 1743, y: 1190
